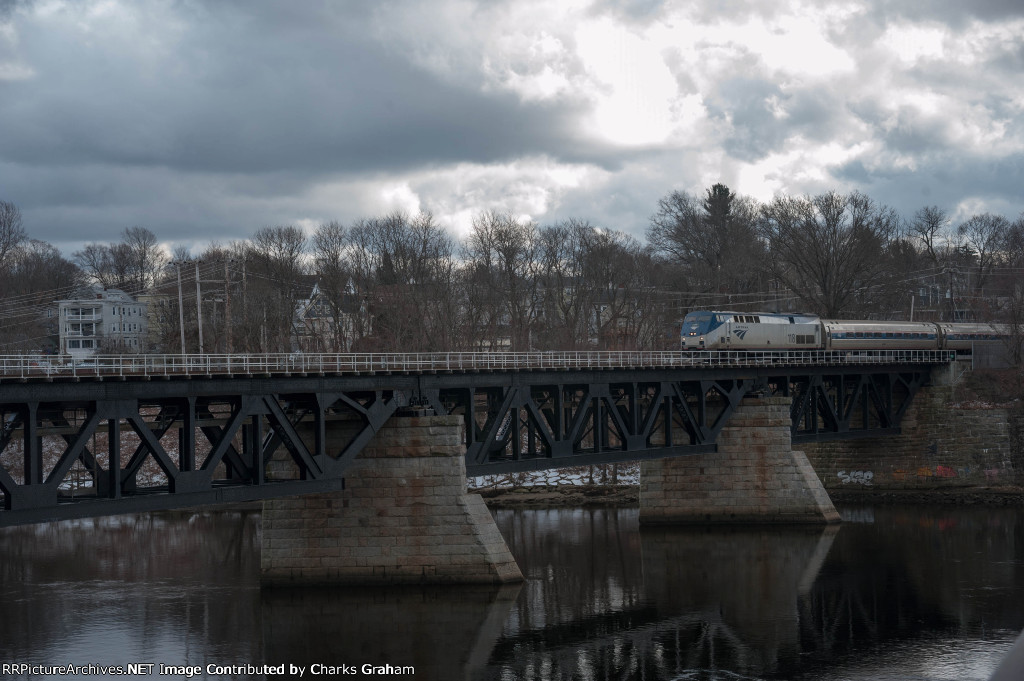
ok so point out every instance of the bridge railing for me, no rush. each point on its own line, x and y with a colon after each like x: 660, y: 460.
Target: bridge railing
x: 42, y: 367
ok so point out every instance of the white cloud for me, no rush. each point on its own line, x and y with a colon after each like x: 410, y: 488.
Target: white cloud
x: 635, y: 89
x: 913, y: 43
x: 230, y: 116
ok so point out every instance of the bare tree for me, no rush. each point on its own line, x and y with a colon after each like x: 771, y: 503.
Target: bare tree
x: 611, y: 270
x: 146, y: 258
x: 929, y: 229
x: 333, y: 271
x: 567, y: 299
x: 985, y: 237
x: 502, y: 255
x: 828, y: 249
x: 714, y: 240
x: 133, y: 264
x: 35, y: 274
x: 274, y: 267
x: 404, y: 266
x: 12, y: 234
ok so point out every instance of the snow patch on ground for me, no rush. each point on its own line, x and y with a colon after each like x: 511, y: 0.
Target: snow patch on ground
x: 576, y: 476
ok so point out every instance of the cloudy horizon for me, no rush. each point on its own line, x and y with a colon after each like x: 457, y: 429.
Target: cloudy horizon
x: 207, y: 121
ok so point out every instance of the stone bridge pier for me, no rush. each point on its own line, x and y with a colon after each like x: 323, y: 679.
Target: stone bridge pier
x: 404, y: 516
x: 754, y: 477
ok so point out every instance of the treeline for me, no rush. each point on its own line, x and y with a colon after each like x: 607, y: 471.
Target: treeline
x: 403, y: 283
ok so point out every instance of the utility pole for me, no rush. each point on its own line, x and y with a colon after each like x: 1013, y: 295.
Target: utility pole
x: 199, y: 308
x: 227, y: 307
x: 181, y: 307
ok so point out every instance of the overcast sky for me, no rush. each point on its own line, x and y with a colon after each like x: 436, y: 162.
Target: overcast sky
x: 208, y: 120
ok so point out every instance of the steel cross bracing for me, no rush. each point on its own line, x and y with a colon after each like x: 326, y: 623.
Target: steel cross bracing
x: 841, y: 405
x: 76, y: 447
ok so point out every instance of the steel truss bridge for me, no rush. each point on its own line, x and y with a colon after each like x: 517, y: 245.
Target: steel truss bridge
x: 143, y: 432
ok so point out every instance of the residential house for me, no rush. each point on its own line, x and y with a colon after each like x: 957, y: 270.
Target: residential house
x: 101, y: 321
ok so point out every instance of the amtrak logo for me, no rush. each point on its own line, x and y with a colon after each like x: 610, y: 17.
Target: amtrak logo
x: 740, y: 333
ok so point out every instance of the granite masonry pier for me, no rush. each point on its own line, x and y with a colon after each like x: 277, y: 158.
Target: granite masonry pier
x: 947, y: 443
x: 754, y: 477
x: 404, y: 517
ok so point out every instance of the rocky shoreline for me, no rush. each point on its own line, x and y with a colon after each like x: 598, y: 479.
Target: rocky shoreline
x: 627, y: 496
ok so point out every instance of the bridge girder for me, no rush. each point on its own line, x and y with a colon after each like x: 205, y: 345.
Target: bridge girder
x: 208, y: 440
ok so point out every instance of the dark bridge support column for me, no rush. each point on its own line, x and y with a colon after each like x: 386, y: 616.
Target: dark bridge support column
x: 403, y: 517
x: 755, y: 476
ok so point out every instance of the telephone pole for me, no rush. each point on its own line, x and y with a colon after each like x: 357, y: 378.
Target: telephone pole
x: 199, y: 308
x: 227, y: 306
x: 181, y: 307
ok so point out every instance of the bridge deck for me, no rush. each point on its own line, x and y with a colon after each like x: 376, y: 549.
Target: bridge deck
x: 140, y: 366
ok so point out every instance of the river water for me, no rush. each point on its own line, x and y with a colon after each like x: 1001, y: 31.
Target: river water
x: 892, y: 593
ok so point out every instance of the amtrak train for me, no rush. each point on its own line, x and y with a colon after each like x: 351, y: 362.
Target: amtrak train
x: 716, y: 330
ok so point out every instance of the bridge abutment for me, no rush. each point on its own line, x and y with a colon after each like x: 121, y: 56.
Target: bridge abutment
x: 755, y: 476
x: 950, y: 441
x: 404, y: 516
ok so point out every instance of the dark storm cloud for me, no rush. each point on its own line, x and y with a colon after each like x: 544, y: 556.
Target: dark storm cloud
x: 247, y: 100
x: 262, y: 100
x: 942, y: 179
x: 7, y: 7
x: 954, y: 12
x: 764, y: 117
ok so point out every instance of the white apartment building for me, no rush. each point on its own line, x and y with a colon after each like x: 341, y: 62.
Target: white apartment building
x: 108, y: 322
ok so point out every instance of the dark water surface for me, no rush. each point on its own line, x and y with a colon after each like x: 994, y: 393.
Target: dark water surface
x: 894, y: 593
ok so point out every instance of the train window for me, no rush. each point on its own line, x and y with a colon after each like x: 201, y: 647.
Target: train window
x: 859, y: 334
x: 757, y: 320
x: 878, y: 334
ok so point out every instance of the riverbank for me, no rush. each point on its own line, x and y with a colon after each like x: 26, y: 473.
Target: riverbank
x: 627, y: 496
x: 958, y: 496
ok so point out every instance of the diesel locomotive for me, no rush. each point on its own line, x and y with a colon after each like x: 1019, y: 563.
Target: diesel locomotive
x: 721, y: 330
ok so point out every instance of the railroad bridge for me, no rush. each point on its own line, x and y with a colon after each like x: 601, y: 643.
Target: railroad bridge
x: 384, y: 440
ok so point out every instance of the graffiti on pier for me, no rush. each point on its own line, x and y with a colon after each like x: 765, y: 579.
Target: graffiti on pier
x: 857, y: 477
x: 944, y: 472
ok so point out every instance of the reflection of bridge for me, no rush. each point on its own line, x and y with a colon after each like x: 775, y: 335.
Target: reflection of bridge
x: 123, y: 434
x: 660, y: 603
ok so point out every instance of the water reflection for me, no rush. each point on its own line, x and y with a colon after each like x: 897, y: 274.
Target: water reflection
x: 443, y: 633
x: 619, y: 602
x: 127, y: 589
x: 742, y: 585
x: 892, y: 593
